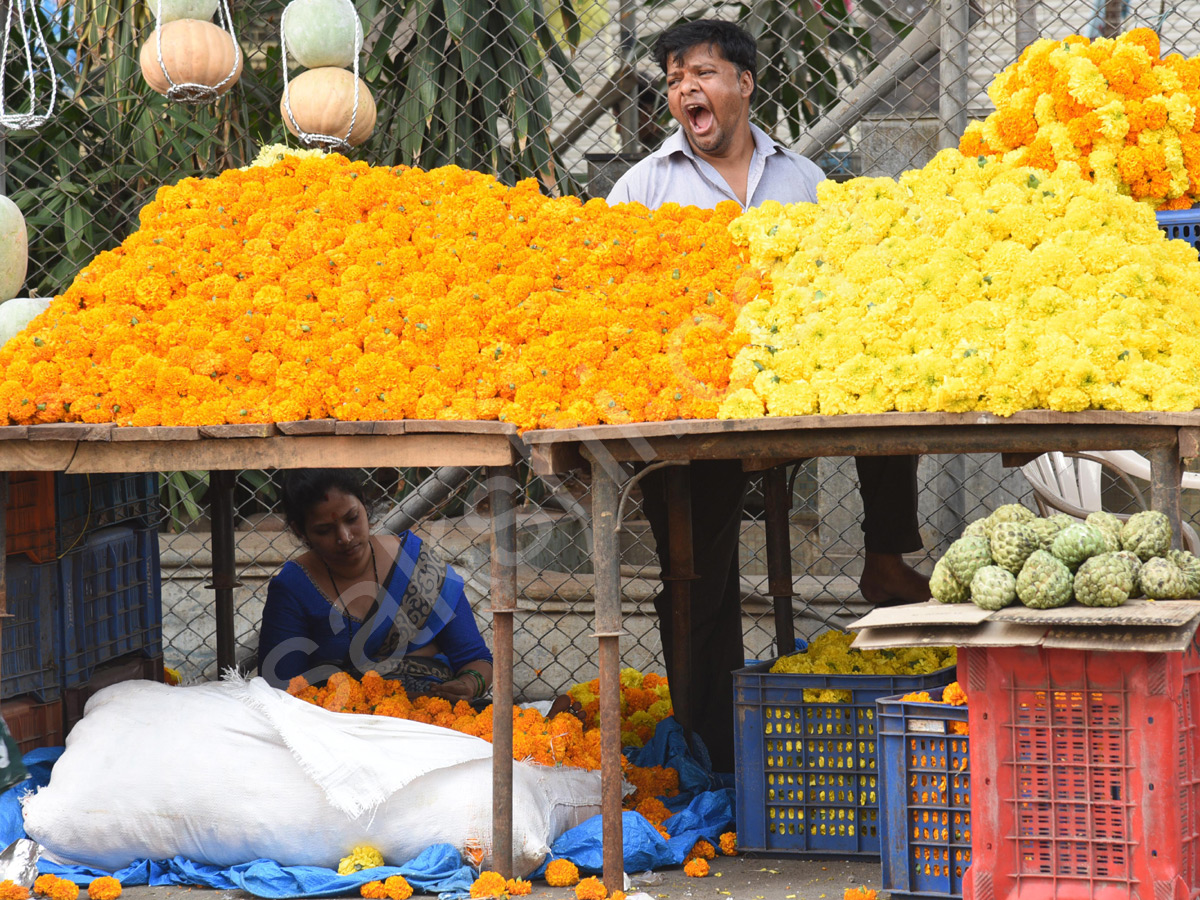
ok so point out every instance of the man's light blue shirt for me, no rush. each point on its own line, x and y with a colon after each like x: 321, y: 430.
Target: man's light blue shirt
x: 675, y: 174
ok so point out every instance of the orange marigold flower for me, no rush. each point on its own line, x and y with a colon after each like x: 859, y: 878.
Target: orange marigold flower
x: 489, y: 884
x: 859, y: 893
x: 518, y: 887
x: 373, y: 890
x: 562, y: 873
x: 104, y: 888
x: 10, y: 890
x: 695, y: 867
x: 56, y: 888
x: 702, y: 849
x: 397, y: 888
x: 954, y: 694
x: 729, y: 843
x: 591, y: 888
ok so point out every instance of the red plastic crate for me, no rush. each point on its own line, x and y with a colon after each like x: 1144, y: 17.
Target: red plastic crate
x: 29, y: 517
x: 1086, y: 769
x: 33, y: 724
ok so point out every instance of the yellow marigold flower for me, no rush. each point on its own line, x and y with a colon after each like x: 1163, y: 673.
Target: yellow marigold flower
x: 562, y: 873
x: 729, y: 843
x: 373, y: 890
x: 695, y: 867
x: 10, y: 890
x: 397, y: 888
x: 360, y: 858
x: 518, y: 887
x: 104, y: 888
x: 489, y: 884
x: 591, y: 888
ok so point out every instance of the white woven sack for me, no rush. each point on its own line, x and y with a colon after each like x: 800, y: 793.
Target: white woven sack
x: 229, y: 772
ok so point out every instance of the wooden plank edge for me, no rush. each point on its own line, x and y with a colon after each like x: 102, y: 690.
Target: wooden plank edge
x: 128, y: 433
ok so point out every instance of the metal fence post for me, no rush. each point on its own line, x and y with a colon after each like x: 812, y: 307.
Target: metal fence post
x: 953, y: 71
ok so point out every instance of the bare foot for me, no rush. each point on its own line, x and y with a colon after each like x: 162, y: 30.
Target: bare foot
x: 887, y: 580
x: 564, y: 703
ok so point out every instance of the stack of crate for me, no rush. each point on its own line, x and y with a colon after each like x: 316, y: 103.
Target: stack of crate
x: 84, y: 595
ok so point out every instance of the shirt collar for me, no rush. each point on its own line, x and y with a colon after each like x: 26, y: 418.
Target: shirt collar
x: 764, y: 144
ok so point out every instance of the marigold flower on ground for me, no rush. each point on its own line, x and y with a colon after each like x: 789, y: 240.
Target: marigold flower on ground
x: 729, y: 843
x: 702, y: 849
x: 591, y: 888
x: 562, y: 873
x: 104, y: 888
x: 397, y: 888
x: 56, y: 888
x: 518, y: 887
x: 10, y: 890
x: 373, y: 890
x: 489, y: 884
x: 696, y: 867
x: 859, y: 893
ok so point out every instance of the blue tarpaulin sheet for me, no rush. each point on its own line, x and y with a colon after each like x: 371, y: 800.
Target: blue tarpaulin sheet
x: 703, y: 809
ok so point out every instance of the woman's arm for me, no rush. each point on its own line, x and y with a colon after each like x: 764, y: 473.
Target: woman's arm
x: 285, y: 647
x: 472, y: 682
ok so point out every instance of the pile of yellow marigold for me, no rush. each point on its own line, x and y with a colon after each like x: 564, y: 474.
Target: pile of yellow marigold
x: 969, y: 284
x: 320, y: 287
x: 560, y: 741
x: 645, y: 701
x: 1115, y: 107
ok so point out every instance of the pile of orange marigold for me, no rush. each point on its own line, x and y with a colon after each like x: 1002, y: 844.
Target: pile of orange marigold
x: 320, y: 287
x: 561, y: 741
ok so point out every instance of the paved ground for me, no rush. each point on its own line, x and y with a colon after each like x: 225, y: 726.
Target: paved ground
x: 739, y: 878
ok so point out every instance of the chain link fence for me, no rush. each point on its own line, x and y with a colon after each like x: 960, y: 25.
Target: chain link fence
x: 563, y: 91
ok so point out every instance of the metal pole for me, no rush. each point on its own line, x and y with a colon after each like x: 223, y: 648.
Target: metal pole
x: 779, y: 556
x: 952, y: 71
x: 4, y: 552
x: 1027, y: 27
x: 1166, y: 479
x: 224, y: 579
x: 502, y: 482
x: 606, y: 556
x: 679, y: 577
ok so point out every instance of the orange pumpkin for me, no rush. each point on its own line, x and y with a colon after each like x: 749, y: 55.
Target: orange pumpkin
x: 322, y: 101
x: 194, y: 52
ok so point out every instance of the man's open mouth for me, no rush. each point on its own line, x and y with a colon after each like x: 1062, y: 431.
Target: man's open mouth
x: 700, y: 117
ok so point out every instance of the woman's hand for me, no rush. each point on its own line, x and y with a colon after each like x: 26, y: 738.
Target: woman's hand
x: 461, y: 688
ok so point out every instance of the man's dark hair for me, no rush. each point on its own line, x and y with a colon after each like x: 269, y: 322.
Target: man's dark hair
x: 735, y: 44
x: 305, y: 488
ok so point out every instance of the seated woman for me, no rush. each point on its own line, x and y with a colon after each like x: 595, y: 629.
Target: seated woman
x: 353, y: 601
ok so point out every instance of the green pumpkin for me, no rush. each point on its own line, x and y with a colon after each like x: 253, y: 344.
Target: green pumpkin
x: 322, y: 33
x: 15, y: 314
x: 173, y: 10
x: 14, y: 249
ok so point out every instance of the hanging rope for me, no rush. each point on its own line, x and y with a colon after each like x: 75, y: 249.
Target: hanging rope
x: 31, y: 119
x: 197, y: 93
x: 326, y: 142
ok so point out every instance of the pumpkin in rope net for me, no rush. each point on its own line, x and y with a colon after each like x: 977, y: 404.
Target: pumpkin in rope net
x: 14, y: 249
x: 322, y: 103
x: 173, y: 10
x: 194, y: 52
x: 322, y: 33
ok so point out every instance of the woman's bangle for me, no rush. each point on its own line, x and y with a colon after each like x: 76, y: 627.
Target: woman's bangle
x: 478, y: 680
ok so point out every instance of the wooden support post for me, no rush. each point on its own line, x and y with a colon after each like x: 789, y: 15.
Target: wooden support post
x: 1166, y: 479
x: 779, y: 556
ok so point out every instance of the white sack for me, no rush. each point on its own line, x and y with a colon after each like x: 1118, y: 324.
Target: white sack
x: 229, y: 772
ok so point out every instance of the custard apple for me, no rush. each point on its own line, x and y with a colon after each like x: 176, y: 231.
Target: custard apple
x: 1147, y: 534
x: 1077, y: 542
x: 944, y: 587
x: 1190, y: 564
x: 966, y: 556
x: 1011, y: 543
x: 1046, y: 530
x: 1110, y: 527
x: 993, y: 587
x: 1135, y: 565
x: 1045, y: 581
x: 1010, y: 512
x: 1103, y: 580
x: 978, y: 528
x: 1161, y: 579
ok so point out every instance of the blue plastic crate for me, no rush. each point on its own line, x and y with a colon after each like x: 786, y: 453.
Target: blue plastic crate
x: 87, y: 503
x: 111, y: 592
x: 925, y: 779
x: 1181, y: 225
x: 30, y: 664
x: 807, y: 778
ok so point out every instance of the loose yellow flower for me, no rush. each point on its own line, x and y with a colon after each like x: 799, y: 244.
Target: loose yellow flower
x: 360, y: 858
x: 489, y: 884
x: 562, y: 873
x: 104, y: 888
x: 591, y: 888
x: 695, y: 867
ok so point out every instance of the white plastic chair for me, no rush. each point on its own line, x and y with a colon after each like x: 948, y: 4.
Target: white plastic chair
x: 1070, y: 483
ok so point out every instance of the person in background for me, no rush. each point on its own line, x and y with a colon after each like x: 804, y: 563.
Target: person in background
x: 717, y: 155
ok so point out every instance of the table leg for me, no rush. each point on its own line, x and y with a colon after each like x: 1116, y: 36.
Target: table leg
x: 502, y: 482
x: 607, y: 561
x: 224, y: 577
x: 4, y: 551
x: 779, y: 556
x: 1166, y: 479
x: 679, y: 576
